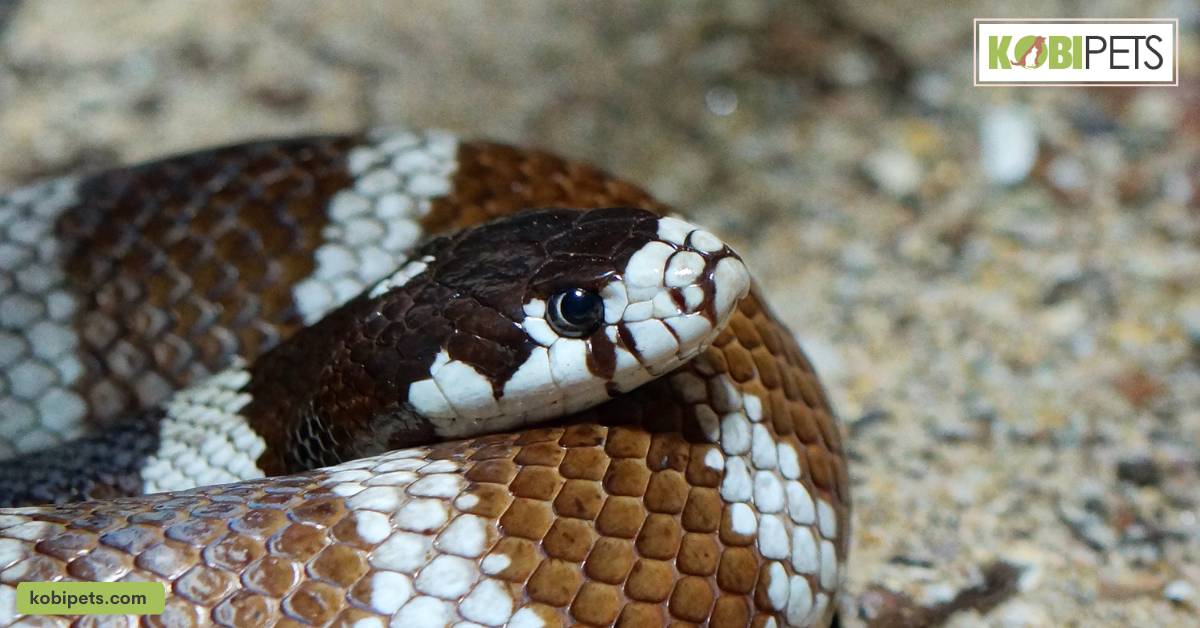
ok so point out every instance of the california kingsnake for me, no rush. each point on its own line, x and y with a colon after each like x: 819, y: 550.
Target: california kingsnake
x: 318, y: 300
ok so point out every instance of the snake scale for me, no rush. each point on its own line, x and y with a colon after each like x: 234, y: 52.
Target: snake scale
x: 398, y: 378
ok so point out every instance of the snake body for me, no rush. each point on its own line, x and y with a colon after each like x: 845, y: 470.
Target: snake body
x: 543, y: 402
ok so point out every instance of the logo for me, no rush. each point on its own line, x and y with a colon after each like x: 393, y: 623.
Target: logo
x: 1076, y: 52
x: 91, y: 598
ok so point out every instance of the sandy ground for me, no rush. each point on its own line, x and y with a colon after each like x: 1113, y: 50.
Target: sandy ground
x: 1000, y: 285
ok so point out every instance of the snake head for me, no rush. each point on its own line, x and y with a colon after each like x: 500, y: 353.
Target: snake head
x: 555, y: 310
x: 524, y: 318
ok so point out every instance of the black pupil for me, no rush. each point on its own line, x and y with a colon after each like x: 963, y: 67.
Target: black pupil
x: 580, y: 308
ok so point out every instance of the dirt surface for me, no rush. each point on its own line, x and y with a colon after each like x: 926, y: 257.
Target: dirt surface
x: 999, y: 285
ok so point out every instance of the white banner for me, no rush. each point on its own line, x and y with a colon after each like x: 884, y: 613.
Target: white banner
x: 1074, y: 52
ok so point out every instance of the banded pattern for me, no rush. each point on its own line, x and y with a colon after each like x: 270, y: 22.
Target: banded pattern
x: 374, y: 222
x: 171, y: 270
x: 158, y: 275
x: 451, y: 351
x: 717, y: 493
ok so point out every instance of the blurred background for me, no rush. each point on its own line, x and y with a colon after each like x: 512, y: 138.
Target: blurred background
x: 1000, y: 286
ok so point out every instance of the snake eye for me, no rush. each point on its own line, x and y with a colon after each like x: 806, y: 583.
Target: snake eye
x: 575, y: 313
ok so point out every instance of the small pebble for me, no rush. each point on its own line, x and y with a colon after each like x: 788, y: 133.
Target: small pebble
x: 1179, y: 591
x: 1068, y: 174
x: 1189, y: 315
x: 934, y: 89
x: 896, y: 172
x: 1140, y: 471
x: 1008, y: 144
x: 1155, y: 110
x: 722, y: 101
x: 851, y: 67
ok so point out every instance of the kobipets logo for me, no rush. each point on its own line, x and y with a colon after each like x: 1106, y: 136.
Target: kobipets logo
x: 1076, y: 52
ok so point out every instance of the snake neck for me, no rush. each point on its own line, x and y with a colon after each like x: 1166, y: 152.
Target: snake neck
x: 319, y: 400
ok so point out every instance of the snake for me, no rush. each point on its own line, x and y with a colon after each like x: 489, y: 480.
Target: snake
x: 401, y: 378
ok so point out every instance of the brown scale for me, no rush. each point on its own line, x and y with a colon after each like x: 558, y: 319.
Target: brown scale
x: 183, y: 263
x: 611, y: 520
x: 495, y: 179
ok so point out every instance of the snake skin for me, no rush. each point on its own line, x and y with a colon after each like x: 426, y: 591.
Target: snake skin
x: 716, y: 494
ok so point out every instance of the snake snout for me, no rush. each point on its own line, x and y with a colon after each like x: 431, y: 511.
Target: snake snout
x: 681, y: 289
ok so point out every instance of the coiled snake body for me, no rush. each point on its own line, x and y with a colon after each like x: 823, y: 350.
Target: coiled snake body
x: 544, y: 402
